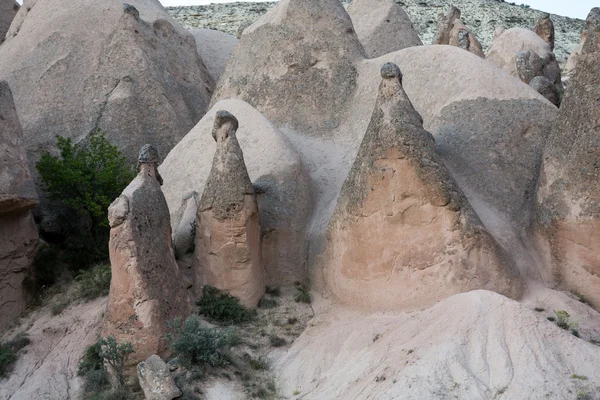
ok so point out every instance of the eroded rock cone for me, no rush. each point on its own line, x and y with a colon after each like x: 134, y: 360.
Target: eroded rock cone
x: 403, y: 235
x: 568, y: 218
x: 544, y: 27
x: 18, y: 233
x: 382, y: 26
x: 445, y: 24
x: 452, y: 31
x: 146, y: 290
x: 574, y: 56
x: 8, y: 10
x: 228, y: 243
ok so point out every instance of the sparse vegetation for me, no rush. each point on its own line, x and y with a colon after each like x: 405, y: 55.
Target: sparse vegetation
x: 9, y: 353
x: 223, y: 308
x: 539, y: 309
x: 273, y: 291
x: 276, y: 341
x: 580, y: 377
x: 258, y: 364
x: 267, y: 303
x: 94, y: 283
x: 302, y: 294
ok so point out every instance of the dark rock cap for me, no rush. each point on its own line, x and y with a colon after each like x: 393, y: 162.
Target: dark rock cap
x: 221, y: 118
x: 129, y: 9
x: 390, y: 71
x: 148, y: 155
x: 593, y: 18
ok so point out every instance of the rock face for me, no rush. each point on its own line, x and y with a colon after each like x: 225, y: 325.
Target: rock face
x: 18, y: 233
x: 397, y: 194
x: 228, y: 249
x: 546, y: 88
x: 8, y: 10
x: 568, y: 222
x: 77, y: 65
x: 146, y: 290
x: 280, y: 180
x: 214, y: 48
x: 382, y: 26
x: 312, y: 58
x: 574, y: 57
x: 529, y: 65
x: 544, y: 27
x: 156, y: 379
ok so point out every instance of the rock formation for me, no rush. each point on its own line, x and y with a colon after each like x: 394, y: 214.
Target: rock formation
x: 568, y: 218
x: 382, y: 26
x: 214, y: 48
x: 403, y: 235
x: 156, y: 380
x: 529, y: 65
x: 8, y: 10
x: 546, y: 88
x: 228, y: 241
x: 445, y: 23
x: 281, y: 184
x: 544, y: 27
x: 452, y: 31
x: 313, y: 58
x: 77, y: 65
x: 574, y: 56
x: 146, y: 290
x: 18, y: 233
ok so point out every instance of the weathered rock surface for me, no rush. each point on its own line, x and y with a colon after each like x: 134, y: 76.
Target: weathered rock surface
x: 156, y: 380
x: 546, y: 88
x: 476, y: 345
x: 18, y: 233
x: 445, y: 23
x: 544, y: 27
x: 452, y: 31
x: 77, y: 65
x: 146, y: 290
x: 313, y: 58
x: 274, y: 167
x: 382, y: 27
x: 403, y: 236
x: 228, y: 252
x: 574, y: 56
x: 8, y: 10
x: 214, y: 48
x: 568, y: 220
x: 529, y: 65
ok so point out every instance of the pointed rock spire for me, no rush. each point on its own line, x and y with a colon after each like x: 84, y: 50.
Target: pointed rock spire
x: 544, y: 27
x: 403, y: 235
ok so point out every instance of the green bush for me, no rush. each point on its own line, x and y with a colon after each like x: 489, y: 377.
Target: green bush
x: 94, y: 282
x: 92, y: 359
x: 9, y: 352
x: 302, y: 294
x: 116, y: 355
x: 267, y: 303
x: 106, y: 351
x: 197, y: 344
x: 222, y: 307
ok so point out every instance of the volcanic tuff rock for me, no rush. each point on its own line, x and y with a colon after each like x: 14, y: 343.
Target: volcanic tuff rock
x: 568, y: 219
x: 382, y: 26
x: 280, y: 181
x: 18, y: 233
x: 227, y: 251
x: 403, y: 236
x: 572, y: 61
x: 482, y: 16
x: 156, y: 379
x: 146, y: 289
x: 77, y: 65
x: 8, y: 10
x: 214, y: 48
x: 544, y: 27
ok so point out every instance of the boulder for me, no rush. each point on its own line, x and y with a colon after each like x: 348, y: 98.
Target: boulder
x: 156, y: 380
x: 568, y: 196
x: 8, y: 10
x: 146, y: 290
x: 228, y: 241
x: 280, y: 181
x: 529, y: 65
x: 214, y: 48
x: 544, y: 27
x: 78, y: 65
x: 382, y: 26
x: 546, y: 88
x: 403, y: 236
x: 305, y: 77
x: 18, y: 233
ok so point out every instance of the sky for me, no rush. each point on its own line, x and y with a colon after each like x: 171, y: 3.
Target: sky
x: 570, y: 8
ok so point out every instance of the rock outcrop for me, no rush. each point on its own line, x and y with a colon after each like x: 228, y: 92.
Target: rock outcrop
x: 546, y: 88
x: 452, y: 31
x: 8, y: 10
x: 544, y: 27
x: 78, y: 65
x: 403, y: 235
x: 18, y: 233
x: 228, y: 240
x: 146, y: 290
x: 214, y: 48
x: 574, y: 56
x: 382, y: 26
x: 529, y: 65
x: 280, y: 180
x: 156, y: 380
x: 568, y: 218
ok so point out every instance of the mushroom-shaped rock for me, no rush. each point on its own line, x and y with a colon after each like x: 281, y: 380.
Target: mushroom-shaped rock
x: 403, y: 235
x: 8, y: 10
x: 544, y: 27
x: 568, y: 196
x: 156, y: 380
x: 529, y: 65
x: 18, y: 233
x: 228, y: 241
x: 146, y: 290
x: 382, y: 26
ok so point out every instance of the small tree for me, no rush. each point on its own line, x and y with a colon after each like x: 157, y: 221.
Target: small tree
x: 86, y: 178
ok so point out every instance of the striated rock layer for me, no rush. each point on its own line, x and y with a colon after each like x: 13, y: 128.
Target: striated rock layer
x: 146, y: 290
x: 403, y: 235
x: 568, y: 218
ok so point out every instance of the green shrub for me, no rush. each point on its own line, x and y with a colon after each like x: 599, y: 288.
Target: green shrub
x: 276, y: 341
x: 302, y: 294
x: 222, y: 307
x: 563, y: 320
x: 94, y: 282
x: 92, y: 359
x: 197, y: 344
x: 9, y: 352
x: 273, y: 291
x: 93, y: 364
x: 116, y: 355
x: 259, y: 364
x: 267, y: 303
